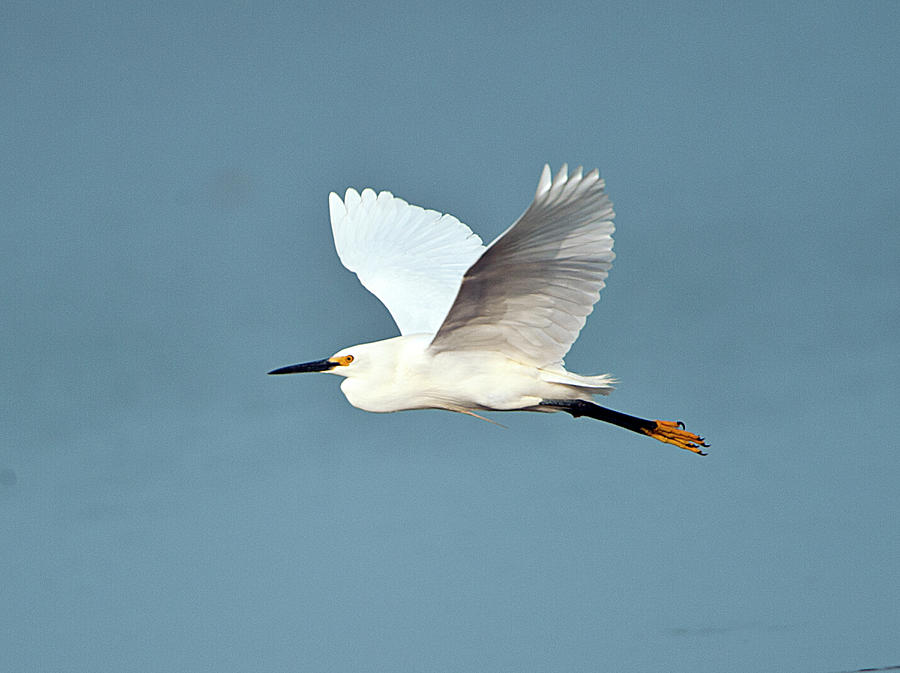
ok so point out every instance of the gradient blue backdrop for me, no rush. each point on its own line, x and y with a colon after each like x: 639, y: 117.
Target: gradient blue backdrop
x: 165, y: 506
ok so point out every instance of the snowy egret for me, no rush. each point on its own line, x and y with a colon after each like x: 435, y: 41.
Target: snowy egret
x: 482, y: 328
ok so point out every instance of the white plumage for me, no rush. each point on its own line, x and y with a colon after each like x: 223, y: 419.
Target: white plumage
x: 412, y: 259
x: 482, y: 328
x: 530, y: 292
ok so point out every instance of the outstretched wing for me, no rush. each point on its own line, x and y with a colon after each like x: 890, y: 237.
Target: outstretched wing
x: 530, y: 292
x: 412, y: 259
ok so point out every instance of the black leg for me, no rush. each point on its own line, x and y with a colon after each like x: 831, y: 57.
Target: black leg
x: 584, y: 408
x: 665, y: 431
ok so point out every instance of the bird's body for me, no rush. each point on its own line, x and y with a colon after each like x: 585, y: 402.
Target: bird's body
x: 404, y: 373
x: 482, y: 328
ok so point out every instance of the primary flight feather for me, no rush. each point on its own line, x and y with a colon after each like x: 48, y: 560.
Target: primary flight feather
x: 482, y: 328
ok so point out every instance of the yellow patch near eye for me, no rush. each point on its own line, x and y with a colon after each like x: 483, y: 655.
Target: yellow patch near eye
x: 343, y: 361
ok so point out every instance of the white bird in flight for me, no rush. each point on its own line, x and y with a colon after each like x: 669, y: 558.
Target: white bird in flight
x: 482, y: 328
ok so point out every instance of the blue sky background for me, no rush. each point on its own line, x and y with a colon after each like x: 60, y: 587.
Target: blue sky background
x: 165, y: 506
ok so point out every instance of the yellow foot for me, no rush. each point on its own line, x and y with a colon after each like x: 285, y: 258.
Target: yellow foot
x: 673, y: 432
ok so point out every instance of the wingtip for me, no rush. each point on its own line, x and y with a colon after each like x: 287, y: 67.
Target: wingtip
x: 563, y: 175
x: 544, y: 182
x: 351, y: 198
x: 563, y: 178
x: 336, y: 205
x: 368, y: 197
x: 337, y: 211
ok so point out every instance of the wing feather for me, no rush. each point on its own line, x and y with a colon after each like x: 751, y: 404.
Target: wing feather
x: 412, y: 259
x: 530, y: 292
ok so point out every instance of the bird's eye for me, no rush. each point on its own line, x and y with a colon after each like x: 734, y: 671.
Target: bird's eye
x: 348, y: 359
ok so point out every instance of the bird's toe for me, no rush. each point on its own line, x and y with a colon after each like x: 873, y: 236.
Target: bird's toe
x: 673, y: 432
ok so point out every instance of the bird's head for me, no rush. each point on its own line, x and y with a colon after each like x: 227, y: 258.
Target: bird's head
x: 374, y: 360
x: 343, y: 363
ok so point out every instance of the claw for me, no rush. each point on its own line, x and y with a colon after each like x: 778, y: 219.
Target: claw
x: 673, y: 432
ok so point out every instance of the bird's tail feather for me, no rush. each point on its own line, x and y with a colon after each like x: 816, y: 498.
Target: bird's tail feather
x: 601, y: 384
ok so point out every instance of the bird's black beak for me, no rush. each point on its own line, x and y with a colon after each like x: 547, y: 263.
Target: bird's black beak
x: 316, y: 366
